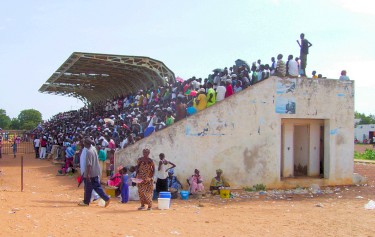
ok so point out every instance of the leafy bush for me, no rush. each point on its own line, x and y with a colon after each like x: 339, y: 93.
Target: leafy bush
x: 368, y: 154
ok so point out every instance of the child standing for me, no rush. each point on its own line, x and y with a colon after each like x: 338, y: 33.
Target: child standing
x: 14, y: 148
x: 124, y: 185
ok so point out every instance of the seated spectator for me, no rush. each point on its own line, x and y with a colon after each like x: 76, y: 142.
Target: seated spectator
x: 169, y: 119
x: 173, y: 182
x: 218, y: 182
x: 254, y: 75
x: 195, y: 183
x: 211, y: 95
x: 237, y: 87
x: 220, y: 91
x: 343, y: 76
x: 292, y: 67
x: 180, y: 109
x: 273, y: 66
x: 115, y: 180
x: 267, y: 72
x: 280, y: 67
x: 314, y: 76
x: 229, y: 88
x: 201, y: 100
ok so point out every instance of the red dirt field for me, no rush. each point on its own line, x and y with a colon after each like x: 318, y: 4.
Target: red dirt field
x: 48, y: 207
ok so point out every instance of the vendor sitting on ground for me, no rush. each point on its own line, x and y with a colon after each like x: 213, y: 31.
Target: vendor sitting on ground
x: 115, y: 180
x: 195, y: 183
x: 218, y: 182
x: 173, y: 183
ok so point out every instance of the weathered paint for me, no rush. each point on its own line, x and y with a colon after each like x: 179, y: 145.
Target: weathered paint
x: 242, y: 135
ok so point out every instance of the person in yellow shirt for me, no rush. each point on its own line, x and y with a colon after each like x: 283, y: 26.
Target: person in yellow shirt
x: 314, y: 76
x: 201, y: 100
x: 211, y: 95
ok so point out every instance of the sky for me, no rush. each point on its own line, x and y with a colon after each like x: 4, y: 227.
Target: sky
x: 191, y: 37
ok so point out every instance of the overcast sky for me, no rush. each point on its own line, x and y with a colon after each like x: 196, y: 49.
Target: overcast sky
x: 190, y: 37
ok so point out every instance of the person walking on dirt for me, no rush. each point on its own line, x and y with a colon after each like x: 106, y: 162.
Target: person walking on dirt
x: 14, y: 146
x: 92, y: 174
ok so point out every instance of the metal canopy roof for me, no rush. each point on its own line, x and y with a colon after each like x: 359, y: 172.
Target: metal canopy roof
x: 96, y: 77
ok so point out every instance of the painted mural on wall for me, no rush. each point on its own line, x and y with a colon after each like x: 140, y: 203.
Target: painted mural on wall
x: 285, y: 86
x: 285, y: 103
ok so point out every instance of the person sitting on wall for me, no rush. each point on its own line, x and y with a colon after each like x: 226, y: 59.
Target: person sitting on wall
x: 195, y: 183
x: 218, y: 182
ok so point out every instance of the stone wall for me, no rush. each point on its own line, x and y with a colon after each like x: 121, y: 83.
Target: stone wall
x: 242, y: 135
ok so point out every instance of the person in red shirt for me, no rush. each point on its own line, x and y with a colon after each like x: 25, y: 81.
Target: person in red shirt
x: 43, y: 148
x: 229, y: 88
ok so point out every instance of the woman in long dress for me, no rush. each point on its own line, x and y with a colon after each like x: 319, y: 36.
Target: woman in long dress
x: 145, y: 171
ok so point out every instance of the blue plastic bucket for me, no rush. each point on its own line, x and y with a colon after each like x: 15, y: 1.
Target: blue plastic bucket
x: 165, y: 195
x: 184, y: 195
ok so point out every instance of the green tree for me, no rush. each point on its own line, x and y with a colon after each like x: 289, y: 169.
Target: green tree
x: 4, y: 119
x: 364, y: 119
x: 15, y: 124
x: 29, y: 118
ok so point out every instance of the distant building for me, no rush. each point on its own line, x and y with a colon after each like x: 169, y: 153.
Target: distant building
x: 364, y: 133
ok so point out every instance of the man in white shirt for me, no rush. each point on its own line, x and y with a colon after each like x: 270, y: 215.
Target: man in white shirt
x: 292, y: 66
x: 36, y: 147
x: 220, y: 92
x: 162, y: 174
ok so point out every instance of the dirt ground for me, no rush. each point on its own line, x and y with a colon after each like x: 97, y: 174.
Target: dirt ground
x: 48, y: 207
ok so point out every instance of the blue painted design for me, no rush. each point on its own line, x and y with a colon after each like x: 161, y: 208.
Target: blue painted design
x: 340, y: 95
x: 333, y: 131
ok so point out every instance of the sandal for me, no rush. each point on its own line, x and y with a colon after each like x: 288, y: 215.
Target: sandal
x: 141, y: 208
x: 82, y: 204
x: 107, y: 203
x: 149, y: 209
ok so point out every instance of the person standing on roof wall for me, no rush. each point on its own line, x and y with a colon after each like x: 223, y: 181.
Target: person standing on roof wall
x: 304, y: 45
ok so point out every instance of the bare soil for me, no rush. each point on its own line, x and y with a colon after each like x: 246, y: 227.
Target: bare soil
x: 48, y: 207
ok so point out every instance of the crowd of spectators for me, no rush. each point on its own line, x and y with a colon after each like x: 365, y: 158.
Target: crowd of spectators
x: 119, y: 122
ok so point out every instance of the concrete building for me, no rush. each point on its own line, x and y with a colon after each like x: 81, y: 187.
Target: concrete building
x: 279, y: 132
x: 363, y: 132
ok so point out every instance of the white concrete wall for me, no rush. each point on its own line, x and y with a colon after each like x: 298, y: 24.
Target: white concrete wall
x: 242, y: 134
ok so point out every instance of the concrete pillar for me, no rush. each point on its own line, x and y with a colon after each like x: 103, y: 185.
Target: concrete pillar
x: 313, y: 168
x: 288, y: 151
x: 329, y: 151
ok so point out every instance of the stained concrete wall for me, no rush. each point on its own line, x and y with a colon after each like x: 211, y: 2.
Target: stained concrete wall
x: 242, y: 134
